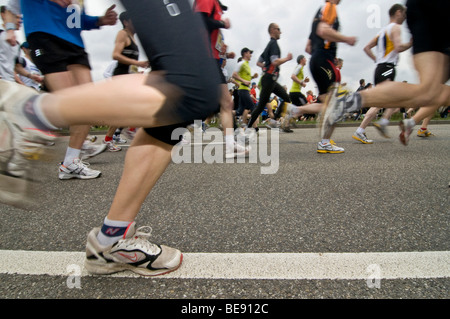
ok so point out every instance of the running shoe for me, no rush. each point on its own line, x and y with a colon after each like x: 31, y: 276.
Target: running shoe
x: 331, y: 148
x: 382, y: 129
x: 362, y: 138
x: 406, y: 127
x: 89, y: 150
x: 110, y: 146
x: 16, y: 164
x: 335, y: 108
x: 119, y: 140
x: 20, y: 143
x: 237, y: 151
x: 77, y: 169
x: 134, y: 252
x: 424, y: 133
x: 273, y: 124
x: 12, y: 97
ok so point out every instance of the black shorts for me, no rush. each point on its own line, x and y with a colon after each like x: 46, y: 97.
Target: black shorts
x: 180, y: 49
x: 52, y: 54
x: 223, y: 80
x: 428, y: 23
x: 245, y: 101
x: 297, y: 98
x: 384, y: 72
x: 324, y: 71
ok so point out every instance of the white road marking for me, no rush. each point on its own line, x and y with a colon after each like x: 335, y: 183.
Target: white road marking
x: 279, y: 266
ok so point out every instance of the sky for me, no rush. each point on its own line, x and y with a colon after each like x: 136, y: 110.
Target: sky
x: 249, y: 23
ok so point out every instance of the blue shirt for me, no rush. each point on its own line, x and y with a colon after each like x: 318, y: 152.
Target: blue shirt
x: 49, y: 17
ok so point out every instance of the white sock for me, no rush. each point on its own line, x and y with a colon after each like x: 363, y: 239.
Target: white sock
x: 360, y: 130
x: 383, y: 121
x: 36, y: 103
x: 112, y: 231
x: 71, y: 155
x: 325, y: 141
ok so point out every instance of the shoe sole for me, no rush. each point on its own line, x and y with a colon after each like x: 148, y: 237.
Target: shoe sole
x: 108, y: 269
x: 361, y: 140
x: 65, y: 176
x: 331, y: 152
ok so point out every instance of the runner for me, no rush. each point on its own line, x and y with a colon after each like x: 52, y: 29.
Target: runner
x: 388, y: 43
x: 431, y: 54
x: 323, y: 47
x: 270, y: 62
x: 212, y: 11
x: 182, y: 87
x: 126, y: 53
x: 244, y: 75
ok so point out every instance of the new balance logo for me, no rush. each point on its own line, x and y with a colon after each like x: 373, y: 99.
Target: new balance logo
x: 112, y: 231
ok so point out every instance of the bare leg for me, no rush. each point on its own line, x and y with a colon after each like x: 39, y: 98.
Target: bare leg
x: 139, y: 176
x: 76, y: 75
x: 433, y: 72
x: 102, y: 104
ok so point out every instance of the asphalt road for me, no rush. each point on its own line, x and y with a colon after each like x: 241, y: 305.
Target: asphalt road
x: 382, y: 197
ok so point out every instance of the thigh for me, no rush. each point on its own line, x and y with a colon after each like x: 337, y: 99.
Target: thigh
x: 180, y: 50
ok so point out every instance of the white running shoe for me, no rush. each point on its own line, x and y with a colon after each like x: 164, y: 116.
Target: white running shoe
x: 134, y: 252
x: 335, y: 108
x: 12, y: 97
x: 16, y: 159
x: 362, y: 138
x: 237, y: 150
x: 111, y: 146
x: 89, y: 150
x: 329, y: 148
x: 77, y: 169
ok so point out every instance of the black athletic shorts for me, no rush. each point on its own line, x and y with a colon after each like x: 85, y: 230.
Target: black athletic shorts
x: 52, y: 54
x: 297, y: 98
x: 176, y: 42
x: 245, y: 101
x: 324, y: 71
x: 428, y: 23
x: 384, y: 72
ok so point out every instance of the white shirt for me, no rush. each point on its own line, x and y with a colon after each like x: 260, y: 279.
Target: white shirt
x: 386, y: 52
x: 8, y: 55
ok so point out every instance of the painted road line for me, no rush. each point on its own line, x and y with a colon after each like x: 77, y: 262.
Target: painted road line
x: 281, y: 266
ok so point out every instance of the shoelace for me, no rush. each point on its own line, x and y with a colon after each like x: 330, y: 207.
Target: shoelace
x: 140, y: 239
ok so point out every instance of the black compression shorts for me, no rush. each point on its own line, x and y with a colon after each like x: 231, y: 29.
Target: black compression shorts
x: 175, y: 40
x: 428, y: 23
x: 324, y: 71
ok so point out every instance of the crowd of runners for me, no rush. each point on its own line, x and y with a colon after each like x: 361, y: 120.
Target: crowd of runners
x: 187, y: 83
